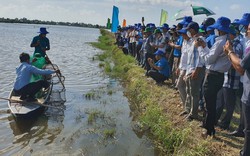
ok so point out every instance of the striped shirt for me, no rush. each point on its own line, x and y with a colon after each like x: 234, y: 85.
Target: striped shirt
x: 232, y: 77
x: 184, y: 54
x: 215, y: 58
x: 193, y: 59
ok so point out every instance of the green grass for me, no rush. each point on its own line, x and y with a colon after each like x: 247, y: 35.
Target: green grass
x: 90, y: 95
x: 109, y: 133
x: 93, y: 115
x: 110, y: 92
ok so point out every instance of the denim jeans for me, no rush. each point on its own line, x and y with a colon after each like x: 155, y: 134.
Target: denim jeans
x: 226, y: 98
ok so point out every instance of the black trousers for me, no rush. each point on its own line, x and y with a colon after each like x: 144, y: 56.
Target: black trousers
x: 132, y: 48
x: 138, y: 55
x: 246, y: 113
x: 32, y: 88
x: 158, y: 77
x: 213, y: 83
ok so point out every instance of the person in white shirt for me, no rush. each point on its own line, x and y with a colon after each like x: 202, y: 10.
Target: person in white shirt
x: 132, y: 40
x: 181, y: 71
x: 195, y: 72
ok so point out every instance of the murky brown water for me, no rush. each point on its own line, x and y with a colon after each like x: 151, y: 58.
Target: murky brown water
x: 68, y: 132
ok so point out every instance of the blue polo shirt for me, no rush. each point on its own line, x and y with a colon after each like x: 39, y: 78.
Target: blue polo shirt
x: 210, y: 40
x: 163, y: 63
x: 177, y: 52
x: 24, y: 72
x: 44, y: 43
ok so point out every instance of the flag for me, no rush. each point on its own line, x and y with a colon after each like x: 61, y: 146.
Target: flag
x: 115, y: 20
x: 108, y: 24
x: 124, y: 23
x: 193, y: 10
x: 198, y: 10
x: 164, y: 17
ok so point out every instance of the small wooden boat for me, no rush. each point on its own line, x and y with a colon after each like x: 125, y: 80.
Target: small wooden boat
x: 21, y: 108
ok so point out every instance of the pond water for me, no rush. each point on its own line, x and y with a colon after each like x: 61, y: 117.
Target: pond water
x: 95, y: 108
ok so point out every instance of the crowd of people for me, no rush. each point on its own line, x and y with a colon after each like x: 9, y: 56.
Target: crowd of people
x: 209, y: 64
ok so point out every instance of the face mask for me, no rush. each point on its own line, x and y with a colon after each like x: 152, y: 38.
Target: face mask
x: 216, y: 32
x: 189, y: 34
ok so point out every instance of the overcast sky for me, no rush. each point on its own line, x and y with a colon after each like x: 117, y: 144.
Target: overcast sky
x: 97, y: 11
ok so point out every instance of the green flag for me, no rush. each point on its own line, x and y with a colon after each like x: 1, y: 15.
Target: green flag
x: 197, y: 10
x: 108, y: 24
x: 164, y: 17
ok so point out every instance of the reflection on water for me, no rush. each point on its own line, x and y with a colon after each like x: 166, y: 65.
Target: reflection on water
x: 82, y: 127
x: 26, y: 131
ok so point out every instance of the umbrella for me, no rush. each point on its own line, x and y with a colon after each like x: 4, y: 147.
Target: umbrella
x: 194, y: 10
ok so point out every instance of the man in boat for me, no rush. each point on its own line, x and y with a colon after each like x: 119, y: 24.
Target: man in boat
x: 24, y: 71
x: 41, y: 42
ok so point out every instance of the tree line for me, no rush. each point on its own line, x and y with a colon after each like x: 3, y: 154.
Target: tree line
x: 27, y: 21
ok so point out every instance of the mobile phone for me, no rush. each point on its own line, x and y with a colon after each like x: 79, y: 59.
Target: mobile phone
x: 199, y: 40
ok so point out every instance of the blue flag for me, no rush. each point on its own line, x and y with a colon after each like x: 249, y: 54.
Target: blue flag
x: 115, y: 20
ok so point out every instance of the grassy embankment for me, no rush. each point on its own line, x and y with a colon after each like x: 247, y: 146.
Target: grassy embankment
x: 156, y: 108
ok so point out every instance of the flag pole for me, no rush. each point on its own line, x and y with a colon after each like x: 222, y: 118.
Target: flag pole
x: 192, y: 9
x: 160, y: 17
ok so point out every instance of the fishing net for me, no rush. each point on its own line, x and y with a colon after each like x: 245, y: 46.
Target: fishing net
x: 58, y: 91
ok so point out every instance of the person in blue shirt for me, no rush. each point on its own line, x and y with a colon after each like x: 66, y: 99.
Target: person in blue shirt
x: 41, y: 42
x: 24, y: 71
x: 160, y: 69
x: 176, y: 52
x: 210, y: 37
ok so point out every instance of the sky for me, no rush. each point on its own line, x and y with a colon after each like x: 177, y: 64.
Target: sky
x: 98, y: 11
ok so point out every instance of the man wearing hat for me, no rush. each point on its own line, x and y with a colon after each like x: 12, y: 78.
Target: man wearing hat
x: 227, y: 95
x: 165, y: 32
x: 160, y: 42
x: 132, y: 40
x: 243, y: 67
x: 148, y: 49
x: 176, y: 52
x: 195, y: 72
x: 245, y: 41
x: 159, y: 70
x: 41, y: 42
x: 216, y: 63
x: 181, y: 71
x: 244, y: 116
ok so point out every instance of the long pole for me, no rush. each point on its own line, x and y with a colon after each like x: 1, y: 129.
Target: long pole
x: 56, y: 73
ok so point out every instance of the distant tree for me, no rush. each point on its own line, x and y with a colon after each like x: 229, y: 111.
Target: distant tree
x: 35, y: 21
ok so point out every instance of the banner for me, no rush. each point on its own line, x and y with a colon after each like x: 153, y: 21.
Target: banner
x: 124, y: 23
x: 108, y: 24
x: 115, y: 20
x: 164, y: 17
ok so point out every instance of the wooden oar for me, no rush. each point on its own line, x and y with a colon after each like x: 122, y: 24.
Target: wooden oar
x: 25, y: 102
x: 55, y: 69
